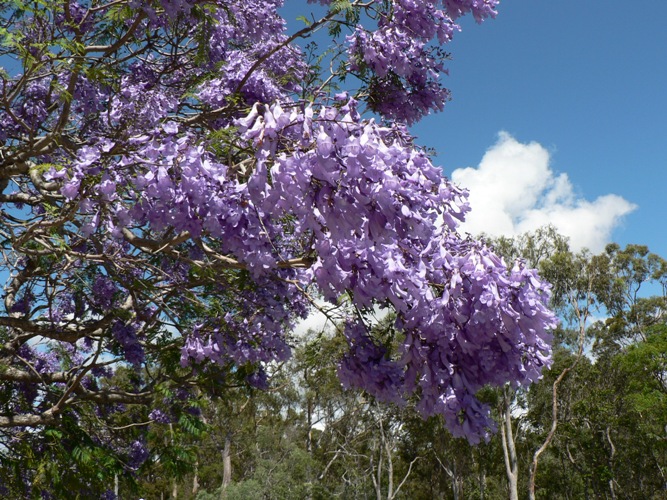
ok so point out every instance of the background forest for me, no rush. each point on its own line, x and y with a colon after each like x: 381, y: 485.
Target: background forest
x: 593, y: 427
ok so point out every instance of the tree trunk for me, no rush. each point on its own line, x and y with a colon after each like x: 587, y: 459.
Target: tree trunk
x: 509, y: 449
x: 583, y: 317
x: 378, y: 483
x: 226, y: 466
x: 174, y: 486
x: 390, y: 463
x: 195, y: 479
x: 482, y: 484
x: 456, y: 484
x: 309, y: 438
x: 451, y: 472
x: 611, y: 463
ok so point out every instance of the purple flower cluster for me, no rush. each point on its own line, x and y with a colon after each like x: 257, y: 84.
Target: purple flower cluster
x: 126, y: 335
x: 256, y: 334
x: 369, y: 366
x: 382, y: 222
x: 159, y: 416
x: 32, y: 109
x: 104, y: 293
x: 43, y: 360
x: 404, y: 66
x: 137, y: 454
x: 23, y: 304
x: 79, y: 18
x: 261, y: 85
x: 406, y: 73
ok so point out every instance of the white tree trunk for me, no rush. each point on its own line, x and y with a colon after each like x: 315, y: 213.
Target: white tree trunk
x: 226, y: 466
x: 509, y: 449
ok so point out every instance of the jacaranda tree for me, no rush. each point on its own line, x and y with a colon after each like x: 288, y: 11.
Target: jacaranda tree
x: 180, y: 183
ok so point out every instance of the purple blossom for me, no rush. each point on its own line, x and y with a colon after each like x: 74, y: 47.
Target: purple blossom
x: 368, y: 365
x: 258, y: 379
x: 126, y: 335
x: 104, y: 291
x: 160, y: 417
x: 79, y: 18
x: 481, y: 324
x: 137, y: 454
x: 23, y: 304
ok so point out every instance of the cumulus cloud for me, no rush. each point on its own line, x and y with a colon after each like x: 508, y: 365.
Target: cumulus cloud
x: 514, y: 190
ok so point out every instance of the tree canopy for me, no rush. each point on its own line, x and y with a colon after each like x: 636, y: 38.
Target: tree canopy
x: 181, y: 182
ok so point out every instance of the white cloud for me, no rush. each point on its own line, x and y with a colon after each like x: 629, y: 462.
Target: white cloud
x: 514, y: 190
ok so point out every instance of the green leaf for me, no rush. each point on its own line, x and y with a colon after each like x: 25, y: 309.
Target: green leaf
x: 304, y: 20
x: 53, y: 433
x: 338, y: 6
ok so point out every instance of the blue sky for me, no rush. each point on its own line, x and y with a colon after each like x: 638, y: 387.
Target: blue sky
x: 579, y: 91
